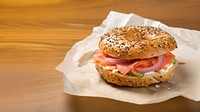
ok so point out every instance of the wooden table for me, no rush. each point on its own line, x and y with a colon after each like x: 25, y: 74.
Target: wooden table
x: 36, y: 34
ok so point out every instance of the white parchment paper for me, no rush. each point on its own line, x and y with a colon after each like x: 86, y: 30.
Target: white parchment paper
x: 81, y: 77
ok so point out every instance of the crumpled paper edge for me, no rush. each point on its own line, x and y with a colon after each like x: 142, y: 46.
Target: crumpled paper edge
x: 103, y: 29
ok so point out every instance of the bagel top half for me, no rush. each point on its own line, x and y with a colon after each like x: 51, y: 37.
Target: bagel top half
x: 136, y: 42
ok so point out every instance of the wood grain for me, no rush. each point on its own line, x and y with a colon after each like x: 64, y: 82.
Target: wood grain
x: 36, y: 34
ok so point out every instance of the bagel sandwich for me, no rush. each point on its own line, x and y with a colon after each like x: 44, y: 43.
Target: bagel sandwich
x: 136, y: 56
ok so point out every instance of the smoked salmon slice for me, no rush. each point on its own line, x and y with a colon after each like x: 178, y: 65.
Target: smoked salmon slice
x: 125, y: 67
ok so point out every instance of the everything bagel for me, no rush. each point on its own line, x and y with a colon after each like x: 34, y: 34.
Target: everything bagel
x: 133, y: 42
x: 136, y: 56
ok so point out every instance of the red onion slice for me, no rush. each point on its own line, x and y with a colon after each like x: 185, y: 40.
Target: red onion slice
x: 152, y: 68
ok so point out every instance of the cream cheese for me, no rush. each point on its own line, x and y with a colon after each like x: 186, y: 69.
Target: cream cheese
x: 115, y: 71
x: 107, y: 68
x: 162, y: 71
x: 152, y: 73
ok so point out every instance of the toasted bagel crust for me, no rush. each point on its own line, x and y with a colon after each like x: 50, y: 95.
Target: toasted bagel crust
x: 125, y: 80
x: 136, y: 42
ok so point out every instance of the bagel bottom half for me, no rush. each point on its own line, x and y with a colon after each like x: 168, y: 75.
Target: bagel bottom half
x: 125, y: 80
